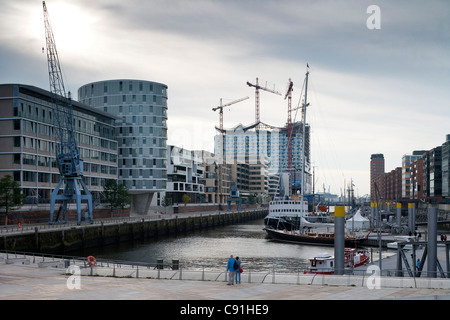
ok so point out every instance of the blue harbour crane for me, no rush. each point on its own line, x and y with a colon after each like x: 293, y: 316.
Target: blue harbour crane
x: 68, y: 160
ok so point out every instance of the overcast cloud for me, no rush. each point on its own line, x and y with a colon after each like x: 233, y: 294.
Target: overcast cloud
x: 371, y: 91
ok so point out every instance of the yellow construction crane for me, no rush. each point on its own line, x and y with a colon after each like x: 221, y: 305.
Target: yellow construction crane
x: 220, y: 108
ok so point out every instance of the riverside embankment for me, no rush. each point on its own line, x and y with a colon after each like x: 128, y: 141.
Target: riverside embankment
x: 65, y: 238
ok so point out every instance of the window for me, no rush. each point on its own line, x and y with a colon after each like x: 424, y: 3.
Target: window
x: 16, y: 124
x: 17, y: 142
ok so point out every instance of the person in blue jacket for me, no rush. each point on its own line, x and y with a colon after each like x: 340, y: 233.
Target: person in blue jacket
x: 230, y: 270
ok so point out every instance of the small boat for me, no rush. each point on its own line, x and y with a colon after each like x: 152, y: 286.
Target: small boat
x: 323, y: 263
x: 401, y: 239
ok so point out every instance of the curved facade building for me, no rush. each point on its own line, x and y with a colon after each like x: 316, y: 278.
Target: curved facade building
x: 141, y: 133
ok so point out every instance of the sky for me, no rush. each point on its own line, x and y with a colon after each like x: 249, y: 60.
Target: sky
x: 378, y: 82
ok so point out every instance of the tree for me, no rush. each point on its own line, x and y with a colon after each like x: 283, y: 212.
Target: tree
x: 116, y: 194
x: 165, y: 202
x: 11, y: 196
x: 186, y: 199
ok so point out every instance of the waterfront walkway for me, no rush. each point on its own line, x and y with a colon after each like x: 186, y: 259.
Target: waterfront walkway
x: 27, y: 279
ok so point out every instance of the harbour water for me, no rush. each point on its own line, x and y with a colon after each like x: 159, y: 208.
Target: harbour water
x: 210, y: 249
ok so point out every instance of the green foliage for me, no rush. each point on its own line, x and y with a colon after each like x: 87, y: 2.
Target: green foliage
x: 186, y: 199
x: 11, y: 196
x: 116, y: 194
x: 165, y: 201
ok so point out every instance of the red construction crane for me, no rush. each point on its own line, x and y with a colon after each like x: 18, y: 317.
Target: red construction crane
x: 220, y: 108
x: 257, y: 87
x: 288, y: 96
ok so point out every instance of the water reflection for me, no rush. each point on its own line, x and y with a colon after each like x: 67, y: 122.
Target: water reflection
x: 212, y: 248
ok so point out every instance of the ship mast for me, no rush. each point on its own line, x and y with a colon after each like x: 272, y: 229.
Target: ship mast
x: 305, y: 104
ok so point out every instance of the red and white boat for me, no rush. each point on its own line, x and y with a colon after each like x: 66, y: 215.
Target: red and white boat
x: 323, y: 263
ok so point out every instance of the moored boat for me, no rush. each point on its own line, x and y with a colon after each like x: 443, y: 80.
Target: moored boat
x: 323, y: 263
x: 286, y: 214
x: 310, y: 237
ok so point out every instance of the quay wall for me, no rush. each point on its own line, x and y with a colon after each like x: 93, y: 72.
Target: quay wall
x: 64, y: 239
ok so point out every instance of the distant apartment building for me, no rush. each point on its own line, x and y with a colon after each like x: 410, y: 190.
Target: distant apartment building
x: 185, y: 169
x: 424, y: 176
x: 376, y: 170
x: 27, y: 141
x: 407, y: 161
x: 259, y: 177
x: 393, y: 187
x: 216, y: 179
x: 446, y: 169
x: 141, y: 133
x: 417, y: 179
x: 432, y: 168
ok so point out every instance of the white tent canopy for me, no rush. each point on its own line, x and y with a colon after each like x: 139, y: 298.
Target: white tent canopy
x: 358, y: 222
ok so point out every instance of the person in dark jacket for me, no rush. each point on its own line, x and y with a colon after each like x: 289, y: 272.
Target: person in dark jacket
x: 238, y: 271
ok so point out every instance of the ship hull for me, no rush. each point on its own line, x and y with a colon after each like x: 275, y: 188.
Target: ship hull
x: 317, y: 239
x: 279, y: 223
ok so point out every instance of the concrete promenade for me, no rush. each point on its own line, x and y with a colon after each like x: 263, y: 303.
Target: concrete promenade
x: 25, y: 279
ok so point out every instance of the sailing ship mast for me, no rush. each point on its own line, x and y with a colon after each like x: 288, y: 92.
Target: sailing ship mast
x: 305, y: 104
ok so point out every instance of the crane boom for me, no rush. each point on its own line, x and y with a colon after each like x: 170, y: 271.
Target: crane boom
x: 68, y: 160
x: 288, y: 96
x: 257, y: 88
x: 220, y: 108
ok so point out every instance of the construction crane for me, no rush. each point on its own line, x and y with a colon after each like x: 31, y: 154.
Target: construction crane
x: 257, y: 88
x: 68, y: 160
x: 288, y: 96
x: 220, y: 108
x: 221, y: 137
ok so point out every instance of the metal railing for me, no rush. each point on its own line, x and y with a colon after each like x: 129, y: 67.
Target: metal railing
x: 175, y: 270
x: 25, y: 227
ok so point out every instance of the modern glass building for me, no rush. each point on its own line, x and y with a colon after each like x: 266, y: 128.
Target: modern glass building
x: 27, y: 141
x: 141, y: 133
x: 251, y: 145
x: 241, y: 142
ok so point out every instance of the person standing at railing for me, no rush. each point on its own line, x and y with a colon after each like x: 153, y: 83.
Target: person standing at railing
x: 238, y: 270
x: 230, y: 270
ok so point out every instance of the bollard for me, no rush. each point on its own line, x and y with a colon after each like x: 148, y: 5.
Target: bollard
x: 339, y: 240
x: 411, y: 217
x: 432, y: 242
x: 398, y: 214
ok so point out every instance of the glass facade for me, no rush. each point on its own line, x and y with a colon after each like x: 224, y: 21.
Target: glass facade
x: 240, y: 143
x: 27, y: 139
x: 141, y: 132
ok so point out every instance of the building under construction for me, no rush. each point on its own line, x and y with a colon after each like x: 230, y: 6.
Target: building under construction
x: 250, y: 145
x: 260, y: 143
